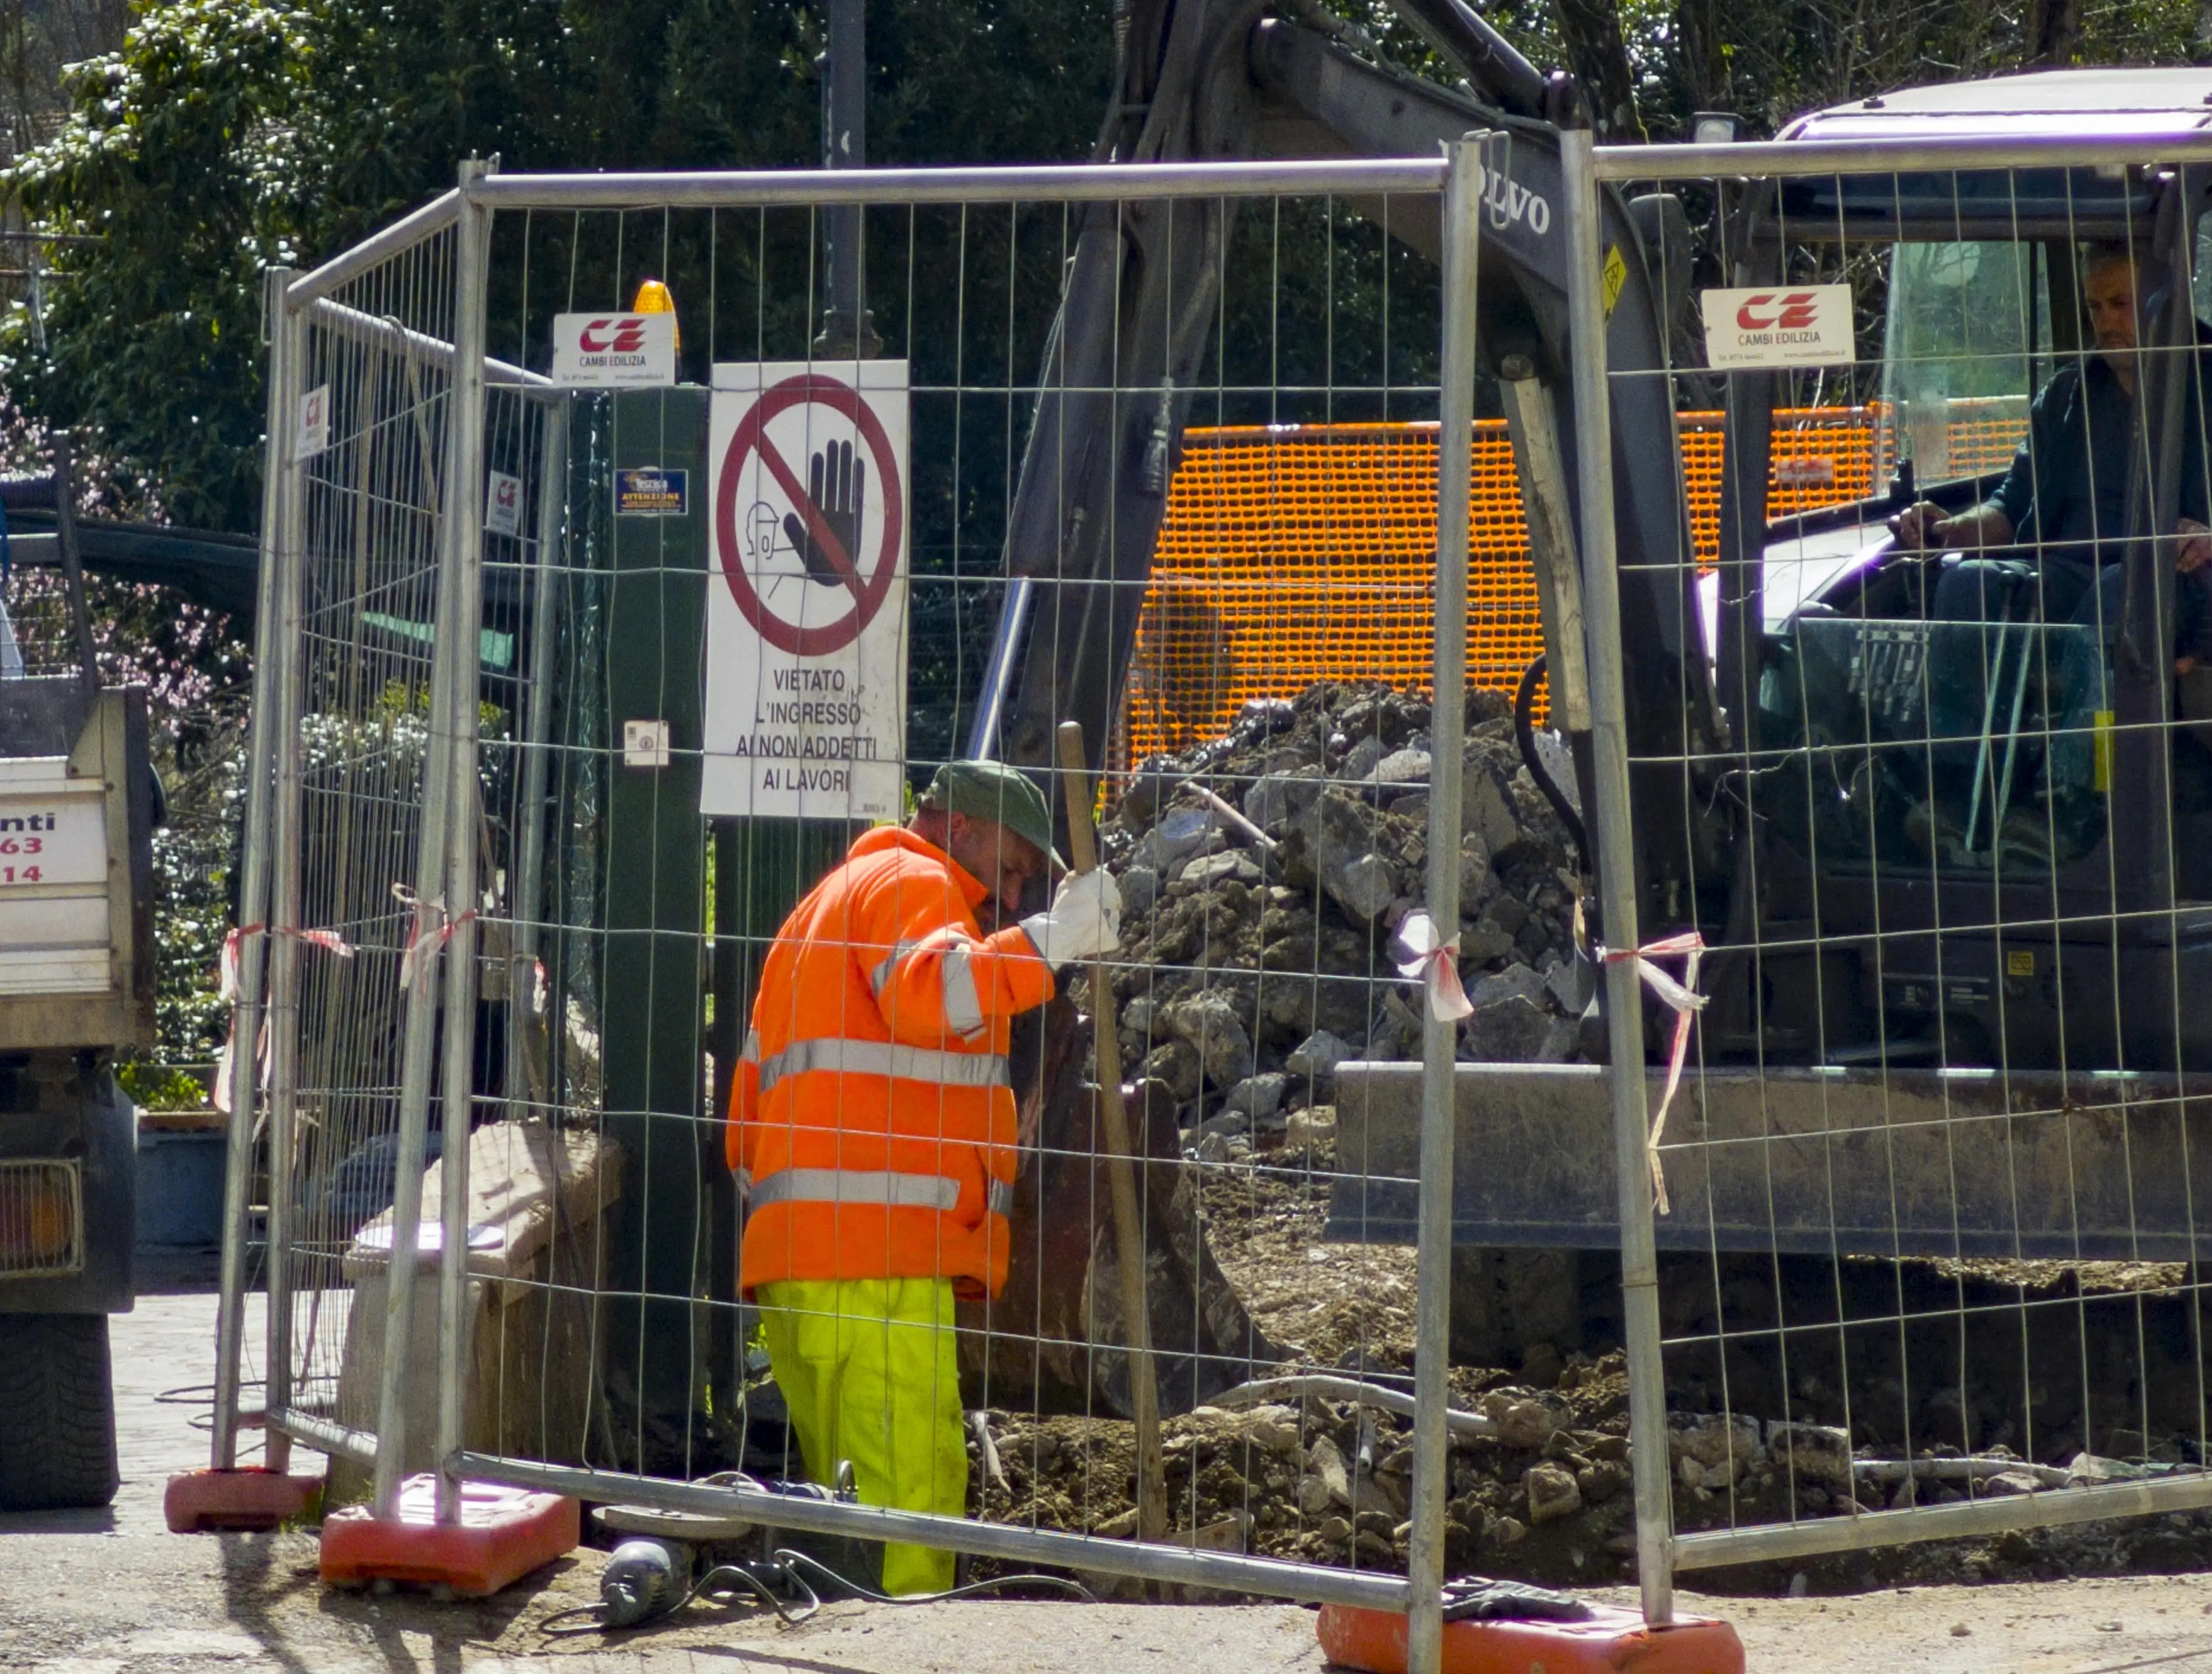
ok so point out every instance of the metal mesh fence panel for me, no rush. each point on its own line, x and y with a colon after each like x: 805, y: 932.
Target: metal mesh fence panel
x: 358, y: 519
x: 574, y: 987
x: 1901, y: 836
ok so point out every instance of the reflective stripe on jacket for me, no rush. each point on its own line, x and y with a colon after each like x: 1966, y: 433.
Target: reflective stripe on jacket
x: 872, y: 1118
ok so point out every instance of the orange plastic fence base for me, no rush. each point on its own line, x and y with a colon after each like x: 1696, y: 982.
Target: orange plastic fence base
x: 504, y: 1533
x: 204, y: 1501
x: 1614, y: 1642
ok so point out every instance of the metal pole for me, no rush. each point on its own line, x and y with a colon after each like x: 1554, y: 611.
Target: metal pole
x: 1425, y: 1575
x: 1616, y: 848
x: 252, y: 903
x: 845, y: 145
x: 80, y: 614
x: 452, y: 642
x: 1781, y: 159
x: 536, y: 727
x: 1066, y: 182
x: 461, y: 552
x: 283, y: 956
x: 1276, y: 1578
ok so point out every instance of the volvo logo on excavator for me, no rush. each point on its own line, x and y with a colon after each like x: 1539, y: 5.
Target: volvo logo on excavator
x: 1510, y: 204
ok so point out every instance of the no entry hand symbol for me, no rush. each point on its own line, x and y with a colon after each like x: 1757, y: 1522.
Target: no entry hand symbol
x: 825, y: 522
x: 836, y: 490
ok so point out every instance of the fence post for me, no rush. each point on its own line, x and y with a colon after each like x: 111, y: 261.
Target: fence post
x: 290, y: 554
x: 1439, y: 1067
x: 460, y: 556
x: 526, y: 897
x: 1624, y: 1001
x: 252, y: 901
x: 455, y: 640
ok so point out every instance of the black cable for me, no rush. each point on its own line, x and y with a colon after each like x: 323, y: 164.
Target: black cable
x: 789, y: 1559
x: 718, y: 1582
x: 787, y: 1564
x: 1524, y: 733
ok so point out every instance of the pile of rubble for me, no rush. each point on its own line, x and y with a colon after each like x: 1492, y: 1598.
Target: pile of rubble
x: 1328, y: 1480
x: 1263, y: 875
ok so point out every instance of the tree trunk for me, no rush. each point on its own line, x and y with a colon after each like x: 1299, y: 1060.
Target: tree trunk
x: 2053, y: 25
x: 1700, y: 37
x: 1598, y: 55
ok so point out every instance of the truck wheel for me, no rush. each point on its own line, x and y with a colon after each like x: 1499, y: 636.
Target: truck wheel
x: 57, y: 1444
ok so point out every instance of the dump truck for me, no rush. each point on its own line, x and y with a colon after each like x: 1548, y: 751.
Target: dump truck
x: 78, y: 796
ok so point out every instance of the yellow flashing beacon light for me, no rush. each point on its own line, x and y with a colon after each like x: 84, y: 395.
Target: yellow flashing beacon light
x: 654, y: 297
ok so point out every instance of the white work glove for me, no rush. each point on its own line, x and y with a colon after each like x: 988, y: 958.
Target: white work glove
x: 1084, y: 921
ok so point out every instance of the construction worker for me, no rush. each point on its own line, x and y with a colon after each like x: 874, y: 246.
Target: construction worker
x: 873, y: 1128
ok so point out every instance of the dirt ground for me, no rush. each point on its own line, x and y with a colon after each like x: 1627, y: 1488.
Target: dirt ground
x: 112, y: 1594
x: 1551, y: 1503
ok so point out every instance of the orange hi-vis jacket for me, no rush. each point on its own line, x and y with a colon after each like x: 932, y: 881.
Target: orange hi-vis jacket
x: 872, y: 1118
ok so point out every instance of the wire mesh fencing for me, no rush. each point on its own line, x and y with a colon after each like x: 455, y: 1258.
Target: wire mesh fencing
x: 584, y: 690
x: 1909, y: 844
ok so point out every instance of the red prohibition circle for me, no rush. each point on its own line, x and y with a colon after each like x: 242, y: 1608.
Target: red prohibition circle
x: 875, y: 585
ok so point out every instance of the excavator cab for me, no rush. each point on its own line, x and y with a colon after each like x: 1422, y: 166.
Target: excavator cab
x: 1973, y: 796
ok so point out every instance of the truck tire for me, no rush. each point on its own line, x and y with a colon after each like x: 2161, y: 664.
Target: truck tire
x: 57, y: 1442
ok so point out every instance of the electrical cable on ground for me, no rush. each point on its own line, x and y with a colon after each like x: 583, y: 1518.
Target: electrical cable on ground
x: 786, y: 1566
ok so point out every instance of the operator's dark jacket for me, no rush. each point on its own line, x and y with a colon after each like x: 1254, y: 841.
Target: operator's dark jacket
x: 2066, y: 493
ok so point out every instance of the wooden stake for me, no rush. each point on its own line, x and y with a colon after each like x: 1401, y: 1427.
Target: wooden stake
x: 1128, y: 1228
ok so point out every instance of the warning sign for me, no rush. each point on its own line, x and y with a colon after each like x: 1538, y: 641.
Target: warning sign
x: 1809, y: 325
x: 314, y: 423
x: 653, y: 492
x: 806, y: 643
x: 503, y: 504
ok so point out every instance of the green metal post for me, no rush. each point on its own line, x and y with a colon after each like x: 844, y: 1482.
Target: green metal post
x: 654, y: 975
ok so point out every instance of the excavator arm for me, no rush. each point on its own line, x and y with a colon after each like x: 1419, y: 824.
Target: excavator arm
x: 1223, y: 80
x: 1220, y: 80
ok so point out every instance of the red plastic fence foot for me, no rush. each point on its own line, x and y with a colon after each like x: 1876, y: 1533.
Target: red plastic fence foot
x: 503, y: 1534
x: 1610, y: 1642
x: 253, y: 1497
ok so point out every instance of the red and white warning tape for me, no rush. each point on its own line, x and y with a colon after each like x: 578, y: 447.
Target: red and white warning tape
x: 330, y: 941
x: 1432, y: 959
x: 432, y: 930
x: 1684, y: 1000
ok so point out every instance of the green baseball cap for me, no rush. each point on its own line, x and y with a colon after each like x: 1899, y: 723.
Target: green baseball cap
x: 996, y: 792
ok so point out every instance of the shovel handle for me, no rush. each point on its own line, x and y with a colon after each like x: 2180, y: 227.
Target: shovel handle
x: 1128, y: 1226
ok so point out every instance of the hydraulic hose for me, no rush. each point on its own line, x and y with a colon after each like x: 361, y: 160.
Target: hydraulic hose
x: 1524, y: 733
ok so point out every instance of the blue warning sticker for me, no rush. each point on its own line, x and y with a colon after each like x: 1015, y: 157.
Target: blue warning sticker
x: 651, y: 492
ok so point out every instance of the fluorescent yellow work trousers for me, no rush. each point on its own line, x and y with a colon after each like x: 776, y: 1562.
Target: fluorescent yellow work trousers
x: 869, y: 1370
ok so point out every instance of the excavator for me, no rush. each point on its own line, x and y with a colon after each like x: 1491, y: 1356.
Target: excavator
x: 1951, y: 945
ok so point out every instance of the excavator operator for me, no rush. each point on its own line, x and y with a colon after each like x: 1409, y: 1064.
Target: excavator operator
x: 873, y: 1128
x: 2066, y: 495
x: 2065, y: 500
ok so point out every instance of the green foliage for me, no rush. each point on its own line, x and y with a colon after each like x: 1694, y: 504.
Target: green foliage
x: 195, y: 856
x: 174, y: 156
x: 229, y: 134
x: 158, y: 1088
x: 1772, y: 63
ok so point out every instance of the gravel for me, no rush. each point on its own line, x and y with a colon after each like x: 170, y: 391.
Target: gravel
x: 1253, y: 968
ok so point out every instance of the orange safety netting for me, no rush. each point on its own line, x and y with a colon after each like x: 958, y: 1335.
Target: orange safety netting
x: 1296, y: 554
x: 1293, y: 554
